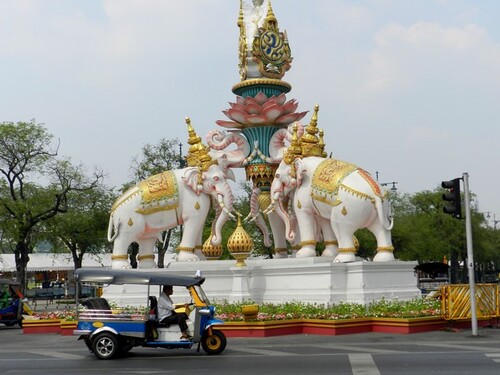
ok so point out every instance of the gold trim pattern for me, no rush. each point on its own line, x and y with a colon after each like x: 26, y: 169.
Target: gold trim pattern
x: 309, y: 242
x: 119, y: 257
x: 323, y: 199
x: 280, y: 249
x: 262, y: 81
x: 347, y: 250
x: 329, y: 175
x: 295, y: 247
x: 185, y: 248
x: 385, y: 248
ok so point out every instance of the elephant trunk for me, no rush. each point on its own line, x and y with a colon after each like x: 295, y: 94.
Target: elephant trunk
x: 226, y: 204
x: 218, y: 140
x: 283, y: 214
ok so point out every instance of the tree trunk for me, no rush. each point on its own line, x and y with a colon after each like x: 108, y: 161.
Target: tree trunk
x: 21, y: 255
x: 163, y: 249
x: 133, y: 250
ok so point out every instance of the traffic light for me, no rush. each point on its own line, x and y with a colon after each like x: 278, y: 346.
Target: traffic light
x: 453, y: 196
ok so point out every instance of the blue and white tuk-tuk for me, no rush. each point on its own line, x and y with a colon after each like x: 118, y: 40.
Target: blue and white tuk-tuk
x: 12, y: 303
x: 110, y: 332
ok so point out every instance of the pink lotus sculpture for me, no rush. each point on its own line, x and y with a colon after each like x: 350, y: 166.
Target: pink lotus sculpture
x: 261, y: 111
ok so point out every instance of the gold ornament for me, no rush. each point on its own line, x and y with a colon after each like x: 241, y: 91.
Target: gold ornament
x: 240, y: 244
x: 264, y: 199
x: 210, y: 251
x: 196, y: 206
x: 310, y: 143
x: 130, y: 222
x: 344, y: 211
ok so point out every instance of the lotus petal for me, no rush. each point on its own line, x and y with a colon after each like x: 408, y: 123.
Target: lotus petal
x: 286, y: 119
x: 269, y: 103
x: 240, y: 100
x: 237, y: 106
x: 228, y: 124
x: 281, y: 98
x: 253, y: 109
x: 236, y: 115
x: 261, y: 98
x: 300, y: 115
x: 255, y: 119
x: 272, y: 113
x: 290, y: 106
x: 250, y: 100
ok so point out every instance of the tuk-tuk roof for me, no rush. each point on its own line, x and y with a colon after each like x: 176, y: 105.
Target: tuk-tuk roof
x: 9, y: 282
x: 132, y: 276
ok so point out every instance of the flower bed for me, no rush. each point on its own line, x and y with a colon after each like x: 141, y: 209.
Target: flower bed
x: 389, y: 316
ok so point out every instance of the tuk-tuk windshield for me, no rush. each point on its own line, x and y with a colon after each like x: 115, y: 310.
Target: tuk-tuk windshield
x: 201, y: 294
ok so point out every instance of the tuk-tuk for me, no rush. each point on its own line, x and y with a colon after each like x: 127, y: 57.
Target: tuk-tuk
x: 109, y: 332
x: 12, y: 304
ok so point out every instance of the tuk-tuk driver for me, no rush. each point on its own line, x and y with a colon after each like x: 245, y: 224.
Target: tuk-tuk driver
x: 167, y: 314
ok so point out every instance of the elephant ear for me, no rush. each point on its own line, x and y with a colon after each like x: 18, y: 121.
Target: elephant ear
x: 300, y: 170
x: 190, y: 178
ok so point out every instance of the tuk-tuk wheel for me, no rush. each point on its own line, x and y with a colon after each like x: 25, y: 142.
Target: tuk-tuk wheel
x: 105, y: 345
x: 214, y: 343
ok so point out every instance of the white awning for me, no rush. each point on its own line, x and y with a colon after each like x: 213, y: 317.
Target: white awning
x: 54, y: 262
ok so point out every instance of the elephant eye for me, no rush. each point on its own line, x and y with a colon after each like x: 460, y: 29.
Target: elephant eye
x: 277, y: 175
x: 216, y: 178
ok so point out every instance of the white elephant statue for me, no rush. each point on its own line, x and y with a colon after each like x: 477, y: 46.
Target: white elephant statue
x: 168, y: 199
x: 342, y: 195
x: 336, y: 196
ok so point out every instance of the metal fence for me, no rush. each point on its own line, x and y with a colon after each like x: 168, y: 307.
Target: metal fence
x: 456, y: 302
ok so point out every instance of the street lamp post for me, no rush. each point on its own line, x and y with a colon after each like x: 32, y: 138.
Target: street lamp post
x: 393, y: 183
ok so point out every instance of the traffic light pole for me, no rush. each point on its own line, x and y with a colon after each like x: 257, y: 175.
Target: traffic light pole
x: 470, y: 255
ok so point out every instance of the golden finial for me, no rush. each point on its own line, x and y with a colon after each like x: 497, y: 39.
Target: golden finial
x: 198, y: 154
x: 310, y: 143
x: 271, y: 23
x: 240, y: 244
x: 294, y: 150
x: 321, y: 143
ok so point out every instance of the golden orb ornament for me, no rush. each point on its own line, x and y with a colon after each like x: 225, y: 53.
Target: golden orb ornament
x: 240, y: 244
x: 210, y: 251
x: 264, y: 199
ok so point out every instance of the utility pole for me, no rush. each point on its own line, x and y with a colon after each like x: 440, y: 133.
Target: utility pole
x: 470, y: 255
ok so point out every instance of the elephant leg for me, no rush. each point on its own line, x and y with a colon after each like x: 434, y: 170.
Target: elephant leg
x: 345, y: 237
x: 278, y: 229
x: 146, y: 257
x: 190, y: 235
x: 329, y: 239
x: 198, y: 248
x: 120, y: 259
x: 306, y: 226
x: 384, y: 243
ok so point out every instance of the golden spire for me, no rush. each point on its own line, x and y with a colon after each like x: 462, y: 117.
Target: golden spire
x: 198, y: 154
x: 293, y: 151
x: 311, y: 145
x: 271, y: 23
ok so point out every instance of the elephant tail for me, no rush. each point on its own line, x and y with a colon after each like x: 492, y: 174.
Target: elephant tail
x: 383, y: 207
x: 113, y: 228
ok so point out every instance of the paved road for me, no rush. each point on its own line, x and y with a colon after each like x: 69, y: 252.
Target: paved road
x: 368, y: 354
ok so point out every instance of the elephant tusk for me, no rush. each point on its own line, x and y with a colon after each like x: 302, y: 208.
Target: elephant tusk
x: 220, y: 199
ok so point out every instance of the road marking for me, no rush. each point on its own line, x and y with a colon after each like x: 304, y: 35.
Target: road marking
x: 363, y: 364
x: 352, y: 348
x: 458, y: 346
x: 494, y: 356
x: 264, y: 352
x: 55, y: 354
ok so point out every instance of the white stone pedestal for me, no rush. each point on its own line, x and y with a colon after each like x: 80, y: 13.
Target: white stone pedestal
x: 311, y: 280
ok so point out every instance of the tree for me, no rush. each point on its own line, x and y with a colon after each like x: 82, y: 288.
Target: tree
x: 82, y: 229
x: 155, y: 158
x: 35, y: 185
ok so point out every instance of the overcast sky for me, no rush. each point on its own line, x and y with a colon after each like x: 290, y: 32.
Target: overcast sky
x: 408, y: 89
